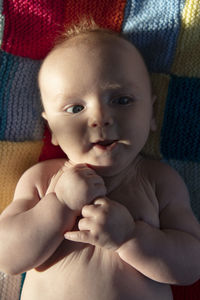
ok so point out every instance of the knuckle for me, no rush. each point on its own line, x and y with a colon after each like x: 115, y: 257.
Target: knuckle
x: 77, y: 166
x: 95, y: 236
x: 103, y: 218
x: 79, y: 235
x: 76, y: 171
x: 100, y: 218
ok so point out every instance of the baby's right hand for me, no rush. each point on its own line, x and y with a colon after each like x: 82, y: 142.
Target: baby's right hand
x: 79, y: 185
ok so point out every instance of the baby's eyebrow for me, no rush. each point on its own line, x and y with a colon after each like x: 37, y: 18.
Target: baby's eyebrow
x: 115, y: 86
x: 111, y: 86
x: 63, y: 97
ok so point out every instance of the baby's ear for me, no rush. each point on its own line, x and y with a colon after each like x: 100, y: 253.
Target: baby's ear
x: 153, y: 124
x: 44, y: 115
x: 53, y: 138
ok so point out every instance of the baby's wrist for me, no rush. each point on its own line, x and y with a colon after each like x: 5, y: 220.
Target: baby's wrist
x: 65, y: 206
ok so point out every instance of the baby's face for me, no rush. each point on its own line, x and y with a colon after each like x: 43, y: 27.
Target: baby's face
x: 97, y: 101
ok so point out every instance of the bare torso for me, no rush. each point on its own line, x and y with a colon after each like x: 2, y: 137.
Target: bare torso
x: 79, y: 271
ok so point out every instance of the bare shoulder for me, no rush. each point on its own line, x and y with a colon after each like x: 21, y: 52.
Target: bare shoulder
x: 42, y: 171
x: 32, y: 186
x: 38, y: 177
x: 166, y: 181
x: 156, y: 167
x: 172, y: 195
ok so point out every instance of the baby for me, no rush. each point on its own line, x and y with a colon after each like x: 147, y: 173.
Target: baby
x: 105, y: 223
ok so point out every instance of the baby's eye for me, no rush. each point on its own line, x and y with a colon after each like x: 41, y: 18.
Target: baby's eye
x: 74, y: 109
x: 125, y: 100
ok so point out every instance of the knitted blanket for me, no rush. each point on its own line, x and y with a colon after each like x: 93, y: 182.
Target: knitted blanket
x: 168, y: 35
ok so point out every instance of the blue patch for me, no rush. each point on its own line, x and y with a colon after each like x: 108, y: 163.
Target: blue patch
x: 153, y: 27
x: 20, y: 106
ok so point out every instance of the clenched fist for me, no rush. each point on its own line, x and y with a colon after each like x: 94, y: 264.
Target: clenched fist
x: 77, y: 185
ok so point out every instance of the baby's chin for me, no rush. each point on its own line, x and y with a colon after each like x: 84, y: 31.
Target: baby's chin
x: 106, y: 170
x: 101, y: 169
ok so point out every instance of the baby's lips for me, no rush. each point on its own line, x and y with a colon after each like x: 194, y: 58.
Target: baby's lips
x: 89, y: 166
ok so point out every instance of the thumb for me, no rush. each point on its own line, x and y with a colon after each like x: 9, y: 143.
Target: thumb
x: 79, y: 236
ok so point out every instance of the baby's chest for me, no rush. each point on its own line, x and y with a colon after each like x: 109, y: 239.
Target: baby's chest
x: 141, y: 201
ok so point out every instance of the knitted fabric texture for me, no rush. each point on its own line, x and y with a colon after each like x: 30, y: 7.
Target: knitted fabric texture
x: 10, y: 286
x: 1, y: 22
x: 166, y: 33
x: 181, y: 126
x: 15, y: 158
x: 20, y: 105
x: 187, y: 59
x: 190, y: 171
x: 31, y: 26
x: 153, y: 26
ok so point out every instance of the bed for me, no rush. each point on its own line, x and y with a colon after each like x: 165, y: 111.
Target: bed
x: 167, y: 34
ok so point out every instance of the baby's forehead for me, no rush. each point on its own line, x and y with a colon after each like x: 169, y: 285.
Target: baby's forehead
x: 95, y: 40
x: 100, y: 52
x: 99, y: 43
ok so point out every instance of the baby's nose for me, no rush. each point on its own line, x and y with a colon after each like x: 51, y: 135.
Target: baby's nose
x: 101, y: 119
x: 96, y: 123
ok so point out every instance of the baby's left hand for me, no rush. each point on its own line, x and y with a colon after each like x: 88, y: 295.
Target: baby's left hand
x: 105, y: 223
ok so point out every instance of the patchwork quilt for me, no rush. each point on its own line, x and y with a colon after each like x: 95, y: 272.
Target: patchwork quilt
x: 168, y: 35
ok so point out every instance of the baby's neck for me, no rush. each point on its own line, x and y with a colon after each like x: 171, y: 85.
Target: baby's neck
x: 113, y: 181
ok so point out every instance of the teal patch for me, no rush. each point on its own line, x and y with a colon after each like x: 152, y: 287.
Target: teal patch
x: 180, y: 136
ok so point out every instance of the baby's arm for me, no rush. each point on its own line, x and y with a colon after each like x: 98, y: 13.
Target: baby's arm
x: 169, y: 254
x: 31, y: 228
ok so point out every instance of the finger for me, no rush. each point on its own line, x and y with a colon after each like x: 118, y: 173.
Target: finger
x: 101, y: 201
x: 79, y: 236
x: 84, y: 224
x: 88, y: 211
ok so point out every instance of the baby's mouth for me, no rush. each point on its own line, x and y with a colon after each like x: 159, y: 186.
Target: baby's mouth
x: 105, y: 144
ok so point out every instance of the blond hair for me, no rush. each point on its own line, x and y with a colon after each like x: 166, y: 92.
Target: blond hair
x: 83, y: 26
